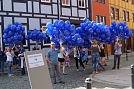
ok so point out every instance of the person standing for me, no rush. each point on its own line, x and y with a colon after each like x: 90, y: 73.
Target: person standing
x: 117, y: 54
x: 102, y: 55
x: 77, y: 57
x: 9, y: 61
x: 36, y: 47
x: 85, y: 57
x: 1, y: 61
x: 21, y: 55
x: 95, y: 56
x: 61, y: 59
x: 52, y: 58
x: 16, y: 58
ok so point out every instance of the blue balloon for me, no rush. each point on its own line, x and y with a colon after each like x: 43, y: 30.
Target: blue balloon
x: 12, y: 38
x: 55, y: 31
x: 27, y: 38
x: 94, y: 26
x: 16, y: 23
x: 6, y: 30
x: 9, y: 40
x: 72, y: 28
x: 17, y: 29
x: 5, y: 36
x: 85, y: 20
x: 13, y: 28
x: 56, y: 23
x: 5, y: 41
x: 67, y: 24
x: 61, y: 23
x: 113, y: 23
x: 48, y: 31
x: 50, y: 26
x: 90, y: 31
x: 10, y: 33
x: 9, y: 26
x: 28, y: 32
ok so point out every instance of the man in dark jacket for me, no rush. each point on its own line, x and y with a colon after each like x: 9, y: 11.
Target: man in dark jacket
x: 1, y: 61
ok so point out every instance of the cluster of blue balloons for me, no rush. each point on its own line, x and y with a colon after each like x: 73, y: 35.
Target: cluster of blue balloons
x: 36, y: 35
x: 120, y: 30
x: 63, y: 32
x: 13, y: 34
x: 89, y: 31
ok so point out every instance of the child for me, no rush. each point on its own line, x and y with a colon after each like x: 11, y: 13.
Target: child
x: 67, y: 61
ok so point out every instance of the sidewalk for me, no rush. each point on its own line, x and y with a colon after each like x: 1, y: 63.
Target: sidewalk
x: 119, y: 77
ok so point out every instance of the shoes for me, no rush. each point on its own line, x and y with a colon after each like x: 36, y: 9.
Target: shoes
x: 64, y: 73
x: 84, y: 69
x: 105, y: 64
x: 113, y: 68
x: 96, y: 72
x: 104, y: 69
x: 77, y: 69
x: 93, y: 72
x: 62, y: 82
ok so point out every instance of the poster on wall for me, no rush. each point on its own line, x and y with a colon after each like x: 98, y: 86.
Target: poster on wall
x: 35, y: 60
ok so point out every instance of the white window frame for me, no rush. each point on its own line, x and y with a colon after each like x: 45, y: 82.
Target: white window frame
x: 45, y: 1
x: 81, y: 5
x: 44, y: 44
x: 66, y: 4
x: 25, y: 36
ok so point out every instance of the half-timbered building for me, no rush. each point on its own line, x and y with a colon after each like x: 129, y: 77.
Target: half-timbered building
x: 36, y: 13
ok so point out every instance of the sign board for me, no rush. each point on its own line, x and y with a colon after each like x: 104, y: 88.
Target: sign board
x: 37, y: 68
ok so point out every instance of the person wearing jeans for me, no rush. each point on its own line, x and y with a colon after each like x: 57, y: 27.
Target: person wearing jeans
x: 95, y: 56
x: 9, y: 61
x: 1, y: 61
x: 52, y: 58
x: 117, y: 54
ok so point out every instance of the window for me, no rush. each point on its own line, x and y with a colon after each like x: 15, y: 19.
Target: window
x: 132, y: 1
x: 100, y: 1
x: 96, y: 0
x: 45, y: 0
x: 81, y: 3
x: 112, y: 13
x: 103, y: 1
x: 133, y: 17
x: 48, y: 41
x: 101, y: 18
x: 97, y: 19
x: 124, y: 16
x: 65, y: 2
x: 126, y: 0
x: 117, y: 14
x: 104, y: 19
x: 127, y: 16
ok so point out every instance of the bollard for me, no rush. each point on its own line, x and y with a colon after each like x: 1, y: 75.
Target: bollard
x: 89, y: 83
x: 132, y: 75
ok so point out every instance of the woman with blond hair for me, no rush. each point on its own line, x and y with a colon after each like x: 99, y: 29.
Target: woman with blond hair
x: 9, y: 61
x: 95, y: 56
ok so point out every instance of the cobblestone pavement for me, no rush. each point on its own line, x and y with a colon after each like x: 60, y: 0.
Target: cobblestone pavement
x: 73, y: 79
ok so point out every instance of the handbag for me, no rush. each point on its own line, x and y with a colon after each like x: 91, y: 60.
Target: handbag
x: 10, y: 64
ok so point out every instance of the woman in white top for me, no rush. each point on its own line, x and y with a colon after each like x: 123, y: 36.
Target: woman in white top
x: 61, y: 59
x: 9, y: 61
